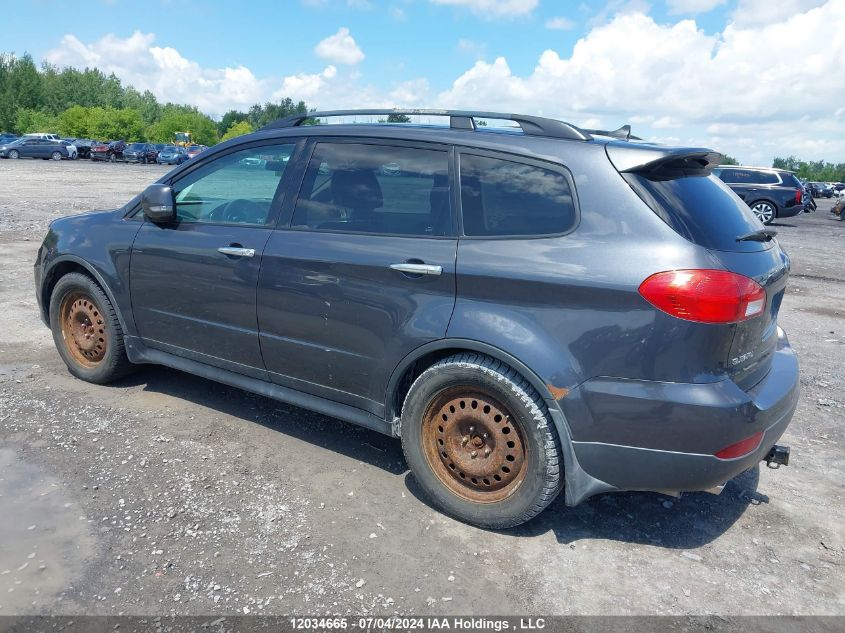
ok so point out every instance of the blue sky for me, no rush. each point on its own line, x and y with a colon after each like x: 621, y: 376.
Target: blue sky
x: 734, y: 74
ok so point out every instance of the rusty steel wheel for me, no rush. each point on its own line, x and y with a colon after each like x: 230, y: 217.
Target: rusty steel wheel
x: 474, y: 445
x: 83, y: 329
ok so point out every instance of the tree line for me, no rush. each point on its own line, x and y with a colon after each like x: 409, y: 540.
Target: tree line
x: 90, y: 104
x: 812, y: 171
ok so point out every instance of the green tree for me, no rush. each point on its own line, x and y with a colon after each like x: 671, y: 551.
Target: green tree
x: 260, y: 116
x: 202, y: 128
x: 8, y: 116
x: 232, y: 116
x: 114, y: 123
x: 25, y: 84
x: 398, y: 118
x: 75, y: 122
x: 727, y: 159
x: 237, y: 129
x: 28, y: 121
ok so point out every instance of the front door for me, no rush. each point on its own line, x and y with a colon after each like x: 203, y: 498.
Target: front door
x: 364, y: 275
x: 193, y: 283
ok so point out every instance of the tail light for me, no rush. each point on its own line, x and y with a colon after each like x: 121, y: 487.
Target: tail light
x: 743, y: 447
x: 706, y: 296
x: 799, y: 195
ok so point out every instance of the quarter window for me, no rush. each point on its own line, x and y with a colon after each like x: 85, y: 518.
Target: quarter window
x: 237, y: 188
x: 375, y: 189
x: 503, y: 197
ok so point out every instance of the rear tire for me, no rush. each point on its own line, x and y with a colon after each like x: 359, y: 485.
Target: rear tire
x: 480, y: 442
x: 765, y: 211
x: 86, y: 330
x: 56, y: 156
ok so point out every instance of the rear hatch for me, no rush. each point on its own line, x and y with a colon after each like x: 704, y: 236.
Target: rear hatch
x: 678, y: 186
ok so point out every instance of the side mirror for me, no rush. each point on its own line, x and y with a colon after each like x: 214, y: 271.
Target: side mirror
x: 158, y: 204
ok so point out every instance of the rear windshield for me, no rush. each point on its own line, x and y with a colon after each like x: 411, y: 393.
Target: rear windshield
x: 701, y: 208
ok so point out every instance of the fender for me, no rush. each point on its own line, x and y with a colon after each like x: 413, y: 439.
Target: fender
x: 463, y: 345
x: 91, y: 270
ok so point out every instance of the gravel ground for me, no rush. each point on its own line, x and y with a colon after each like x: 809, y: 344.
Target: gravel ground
x: 167, y: 493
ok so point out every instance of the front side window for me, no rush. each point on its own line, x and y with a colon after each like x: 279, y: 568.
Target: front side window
x: 504, y: 197
x: 375, y: 189
x: 237, y: 188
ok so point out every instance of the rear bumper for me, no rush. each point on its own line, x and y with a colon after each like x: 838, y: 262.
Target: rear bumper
x: 669, y: 432
x: 788, y: 212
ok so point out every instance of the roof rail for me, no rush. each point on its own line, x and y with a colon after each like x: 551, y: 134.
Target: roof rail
x: 458, y: 119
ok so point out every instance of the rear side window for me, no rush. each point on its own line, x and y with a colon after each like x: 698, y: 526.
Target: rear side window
x: 768, y: 178
x: 360, y: 188
x: 701, y: 208
x: 504, y: 197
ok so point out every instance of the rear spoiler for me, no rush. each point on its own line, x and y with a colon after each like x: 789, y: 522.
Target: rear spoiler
x: 670, y: 162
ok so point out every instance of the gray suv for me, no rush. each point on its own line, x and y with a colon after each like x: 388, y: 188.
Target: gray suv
x: 531, y: 309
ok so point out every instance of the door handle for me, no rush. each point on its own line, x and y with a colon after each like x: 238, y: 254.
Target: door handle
x: 237, y: 251
x: 418, y: 269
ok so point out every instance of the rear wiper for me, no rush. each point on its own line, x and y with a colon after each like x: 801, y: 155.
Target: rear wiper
x: 763, y: 235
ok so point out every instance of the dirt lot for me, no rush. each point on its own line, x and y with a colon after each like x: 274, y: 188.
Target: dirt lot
x: 167, y: 493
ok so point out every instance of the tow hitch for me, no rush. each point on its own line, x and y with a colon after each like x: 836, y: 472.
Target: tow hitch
x: 777, y: 457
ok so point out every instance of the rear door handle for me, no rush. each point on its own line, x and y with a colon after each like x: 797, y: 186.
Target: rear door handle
x: 418, y: 269
x: 237, y: 251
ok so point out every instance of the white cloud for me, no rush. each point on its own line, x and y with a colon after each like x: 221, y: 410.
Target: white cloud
x: 410, y: 93
x: 560, y: 23
x: 304, y: 86
x: 494, y: 8
x: 750, y: 13
x: 754, y: 90
x: 162, y: 70
x: 690, y: 7
x: 340, y: 48
x: 757, y: 77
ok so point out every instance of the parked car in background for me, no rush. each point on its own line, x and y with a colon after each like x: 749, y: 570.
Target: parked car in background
x: 35, y: 148
x: 172, y: 155
x: 140, y: 153
x: 771, y: 193
x: 6, y: 137
x: 83, y: 146
x: 116, y: 150
x: 195, y: 150
x: 99, y: 151
x: 43, y: 135
x: 73, y: 152
x: 111, y: 151
x: 429, y: 283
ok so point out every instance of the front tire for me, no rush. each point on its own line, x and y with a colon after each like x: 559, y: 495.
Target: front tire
x: 56, y: 156
x: 14, y: 154
x: 86, y: 330
x: 480, y: 442
x: 765, y: 211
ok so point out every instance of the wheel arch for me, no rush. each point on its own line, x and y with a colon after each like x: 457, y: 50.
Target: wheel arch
x: 426, y: 355
x: 70, y: 264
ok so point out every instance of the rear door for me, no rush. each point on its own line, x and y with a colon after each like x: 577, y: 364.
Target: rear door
x: 364, y: 274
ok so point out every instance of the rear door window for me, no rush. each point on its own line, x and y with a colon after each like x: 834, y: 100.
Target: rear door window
x: 502, y: 197
x: 701, y: 208
x: 372, y: 188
